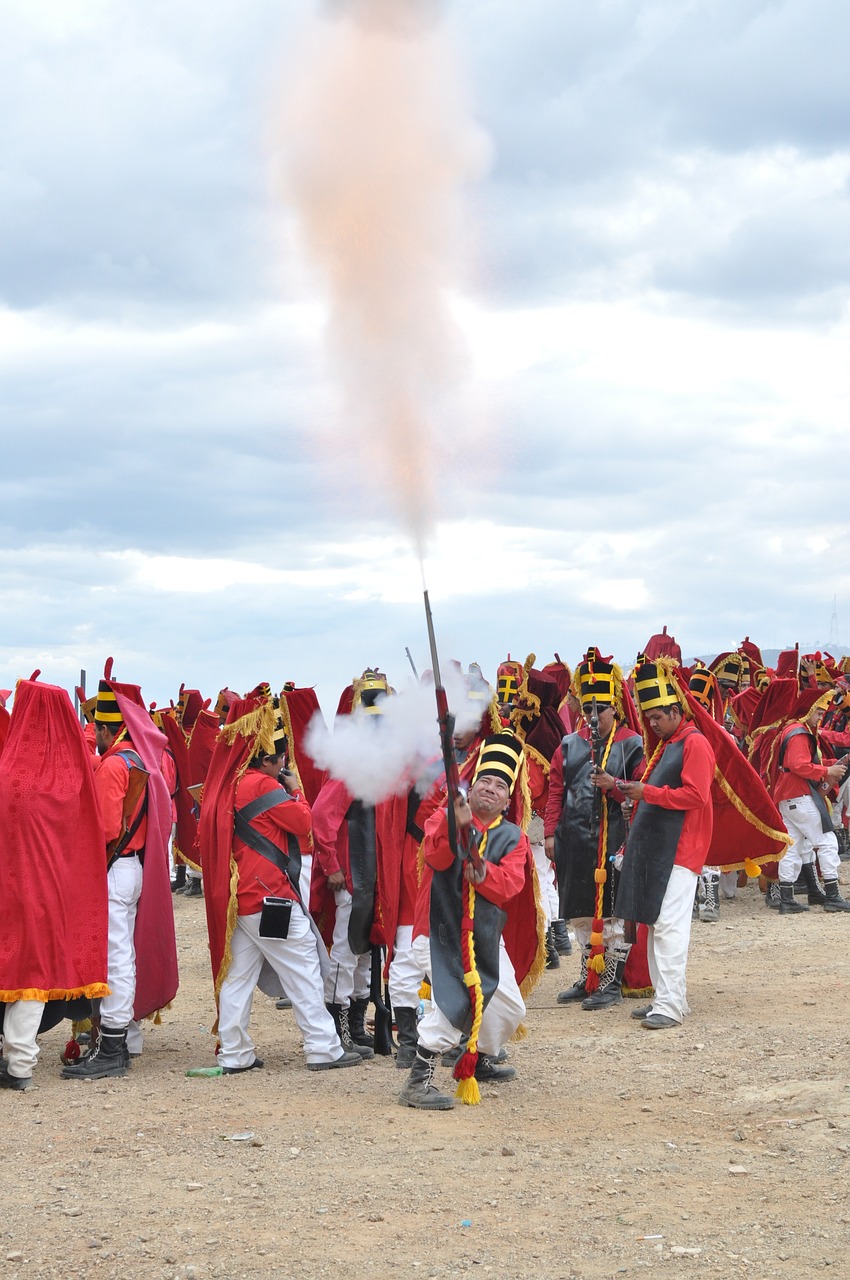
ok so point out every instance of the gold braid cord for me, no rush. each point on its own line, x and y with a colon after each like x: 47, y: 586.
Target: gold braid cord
x: 227, y: 955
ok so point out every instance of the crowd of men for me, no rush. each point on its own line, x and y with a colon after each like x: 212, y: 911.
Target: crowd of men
x: 614, y: 808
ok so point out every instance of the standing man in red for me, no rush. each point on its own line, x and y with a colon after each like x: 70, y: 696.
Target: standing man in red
x: 799, y: 782
x: 142, y: 968
x: 252, y: 818
x: 668, y: 841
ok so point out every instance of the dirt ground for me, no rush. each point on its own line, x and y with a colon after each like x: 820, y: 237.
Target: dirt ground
x: 722, y: 1148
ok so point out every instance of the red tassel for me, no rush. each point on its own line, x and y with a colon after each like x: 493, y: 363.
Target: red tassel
x: 465, y: 1066
x: 72, y: 1052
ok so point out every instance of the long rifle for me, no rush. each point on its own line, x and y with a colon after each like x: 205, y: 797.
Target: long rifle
x: 459, y: 840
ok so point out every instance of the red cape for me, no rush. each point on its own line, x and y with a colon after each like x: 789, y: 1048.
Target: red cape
x: 186, y: 839
x: 53, y: 911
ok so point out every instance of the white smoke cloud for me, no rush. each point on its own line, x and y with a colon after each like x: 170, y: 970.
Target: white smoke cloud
x: 377, y: 756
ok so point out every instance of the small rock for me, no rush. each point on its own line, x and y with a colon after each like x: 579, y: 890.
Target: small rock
x: 737, y: 1169
x: 15, y: 1256
x: 194, y: 1186
x: 508, y: 1151
x: 73, y: 1213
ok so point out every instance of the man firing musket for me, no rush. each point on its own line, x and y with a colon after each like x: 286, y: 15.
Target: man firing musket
x: 481, y: 879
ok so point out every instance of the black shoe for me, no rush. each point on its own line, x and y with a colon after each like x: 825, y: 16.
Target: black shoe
x: 604, y: 997
x: 194, y: 889
x: 659, y: 1022
x: 348, y: 1058
x: 18, y: 1083
x: 179, y: 881
x: 340, y: 1016
x: 577, y: 992
x: 486, y: 1068
x: 357, y: 1024
x: 788, y: 906
x: 642, y: 1012
x: 407, y: 1034
x: 811, y: 886
x: 561, y: 936
x: 419, y: 1089
x: 108, y: 1059
x: 553, y: 960
x: 237, y: 1071
x: 834, y: 900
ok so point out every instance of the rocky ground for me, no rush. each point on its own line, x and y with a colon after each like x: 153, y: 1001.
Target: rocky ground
x: 718, y: 1149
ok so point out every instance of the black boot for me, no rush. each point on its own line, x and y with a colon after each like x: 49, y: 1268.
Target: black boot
x: 709, y: 908
x: 561, y: 936
x: 419, y: 1088
x: 405, y: 1021
x: 834, y: 900
x: 179, y: 877
x: 817, y: 898
x: 340, y: 1016
x: 108, y: 1059
x: 194, y: 888
x: 771, y: 897
x: 553, y: 960
x: 357, y: 1024
x: 788, y: 906
x: 610, y: 989
x: 577, y: 991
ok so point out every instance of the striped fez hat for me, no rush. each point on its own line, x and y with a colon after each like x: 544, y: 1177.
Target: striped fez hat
x: 500, y: 757
x: 106, y: 709
x: 654, y: 687
x: 595, y: 679
x: 702, y: 683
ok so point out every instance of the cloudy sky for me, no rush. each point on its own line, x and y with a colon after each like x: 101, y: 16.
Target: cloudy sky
x: 650, y: 270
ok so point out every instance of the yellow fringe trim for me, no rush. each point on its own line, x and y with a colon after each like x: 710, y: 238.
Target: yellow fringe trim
x: 260, y: 722
x: 525, y: 792
x: 520, y: 1033
x: 638, y: 993
x: 534, y: 754
x: 424, y: 990
x: 781, y: 836
x: 94, y: 991
x: 177, y: 852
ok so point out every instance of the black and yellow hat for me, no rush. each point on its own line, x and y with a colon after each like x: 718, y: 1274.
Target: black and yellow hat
x: 729, y: 669
x: 500, y: 757
x: 106, y: 709
x: 508, y: 680
x: 87, y: 705
x: 654, y: 687
x: 702, y: 684
x: 369, y: 691
x: 594, y: 678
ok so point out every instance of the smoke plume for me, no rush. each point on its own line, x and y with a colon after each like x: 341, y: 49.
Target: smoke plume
x: 381, y: 755
x: 377, y: 142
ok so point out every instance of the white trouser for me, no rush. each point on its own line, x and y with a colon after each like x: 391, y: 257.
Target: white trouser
x: 20, y: 1028
x: 546, y: 879
x: 135, y: 1038
x: 803, y: 821
x: 349, y: 975
x: 729, y: 885
x: 406, y: 973
x: 124, y: 887
x: 612, y: 931
x: 305, y: 877
x: 295, y: 960
x: 667, y: 945
x: 503, y: 1014
x: 193, y: 875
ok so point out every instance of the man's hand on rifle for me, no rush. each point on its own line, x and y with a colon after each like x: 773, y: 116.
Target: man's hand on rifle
x: 463, y: 813
x: 473, y: 875
x: 604, y: 781
x: 549, y: 848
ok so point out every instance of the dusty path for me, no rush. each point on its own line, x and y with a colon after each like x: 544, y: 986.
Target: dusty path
x: 728, y: 1140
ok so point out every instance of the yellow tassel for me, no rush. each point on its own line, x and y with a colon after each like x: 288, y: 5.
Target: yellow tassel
x: 468, y: 1092
x: 520, y: 1033
x: 424, y: 990
x: 597, y: 964
x: 752, y: 868
x: 596, y: 940
x: 600, y: 875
